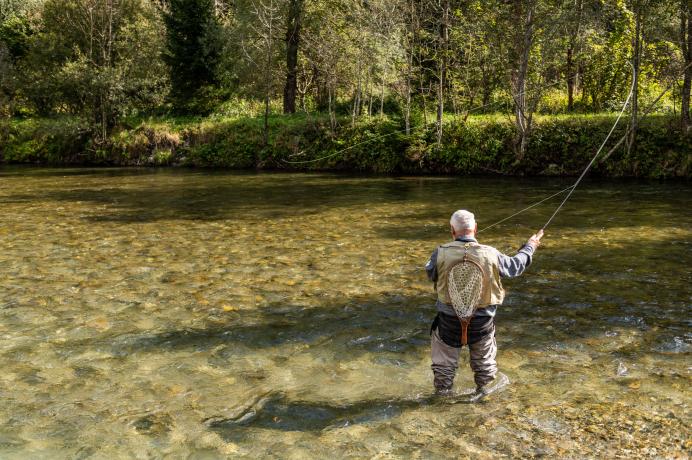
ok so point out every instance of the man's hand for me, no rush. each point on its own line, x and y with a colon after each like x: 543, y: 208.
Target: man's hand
x: 535, y: 240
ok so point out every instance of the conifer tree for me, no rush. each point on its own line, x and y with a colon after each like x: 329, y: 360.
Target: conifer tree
x: 192, y: 51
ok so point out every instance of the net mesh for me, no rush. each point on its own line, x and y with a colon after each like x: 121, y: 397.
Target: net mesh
x: 465, y: 284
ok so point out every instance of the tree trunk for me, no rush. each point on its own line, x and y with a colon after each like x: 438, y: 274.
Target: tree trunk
x: 570, y: 79
x: 267, y: 70
x: 382, y: 98
x: 321, y: 88
x: 486, y: 86
x: 442, y: 77
x: 356, y: 110
x: 368, y: 92
x: 636, y: 50
x: 409, y: 71
x: 295, y: 10
x: 571, y: 47
x: 522, y: 49
x: 411, y: 49
x: 332, y: 115
x: 686, y: 45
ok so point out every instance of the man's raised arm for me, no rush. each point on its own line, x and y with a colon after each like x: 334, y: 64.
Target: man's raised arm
x: 511, y: 267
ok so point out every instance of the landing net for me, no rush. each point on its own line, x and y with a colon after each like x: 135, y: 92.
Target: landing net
x: 464, y: 285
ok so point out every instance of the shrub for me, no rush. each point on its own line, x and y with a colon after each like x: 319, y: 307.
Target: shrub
x: 559, y: 145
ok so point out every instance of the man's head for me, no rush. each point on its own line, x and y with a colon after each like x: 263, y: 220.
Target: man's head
x: 463, y: 223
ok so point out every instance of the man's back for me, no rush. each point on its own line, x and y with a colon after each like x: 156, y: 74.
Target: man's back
x: 446, y: 330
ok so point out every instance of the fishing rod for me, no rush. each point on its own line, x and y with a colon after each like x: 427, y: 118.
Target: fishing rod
x: 612, y: 149
x: 617, y: 120
x: 572, y: 187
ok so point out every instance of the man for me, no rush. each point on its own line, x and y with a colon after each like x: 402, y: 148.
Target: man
x: 446, y: 328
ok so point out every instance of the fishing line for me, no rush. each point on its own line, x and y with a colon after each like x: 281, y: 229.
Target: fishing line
x: 527, y: 208
x: 474, y: 109
x: 629, y: 96
x: 571, y: 188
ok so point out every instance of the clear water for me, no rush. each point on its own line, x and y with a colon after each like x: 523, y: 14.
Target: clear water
x: 192, y: 314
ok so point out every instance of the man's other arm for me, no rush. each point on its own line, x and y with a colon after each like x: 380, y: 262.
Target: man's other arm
x: 431, y: 267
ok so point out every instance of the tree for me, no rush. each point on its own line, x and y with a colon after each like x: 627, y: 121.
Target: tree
x: 574, y: 31
x: 523, y: 14
x: 410, y: 43
x: 325, y: 51
x: 294, y: 17
x: 605, y: 52
x: 638, y: 7
x: 442, y: 58
x: 193, y: 50
x: 94, y: 58
x: 15, y: 35
x: 651, y: 53
x: 686, y: 48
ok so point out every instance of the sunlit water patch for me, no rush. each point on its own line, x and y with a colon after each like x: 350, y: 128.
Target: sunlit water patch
x: 205, y: 315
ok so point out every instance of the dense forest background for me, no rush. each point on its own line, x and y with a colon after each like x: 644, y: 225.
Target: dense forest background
x: 434, y: 85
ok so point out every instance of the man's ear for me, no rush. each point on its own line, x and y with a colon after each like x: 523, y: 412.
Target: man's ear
x: 475, y: 229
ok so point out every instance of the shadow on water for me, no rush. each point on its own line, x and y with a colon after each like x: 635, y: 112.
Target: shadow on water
x: 214, y: 195
x: 34, y: 172
x: 276, y: 412
x: 389, y: 326
x: 393, y: 329
x: 232, y: 199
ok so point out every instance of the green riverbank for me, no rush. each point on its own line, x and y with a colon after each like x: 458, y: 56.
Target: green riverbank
x: 560, y: 145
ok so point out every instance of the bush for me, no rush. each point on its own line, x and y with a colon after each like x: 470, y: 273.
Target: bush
x: 559, y: 145
x: 45, y: 141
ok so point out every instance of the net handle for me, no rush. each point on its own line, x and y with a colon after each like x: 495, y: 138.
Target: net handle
x: 464, y: 330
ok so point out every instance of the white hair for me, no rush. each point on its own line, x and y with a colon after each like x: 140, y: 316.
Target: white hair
x: 462, y: 220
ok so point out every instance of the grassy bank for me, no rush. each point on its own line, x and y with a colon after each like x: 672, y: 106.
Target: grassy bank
x: 560, y: 145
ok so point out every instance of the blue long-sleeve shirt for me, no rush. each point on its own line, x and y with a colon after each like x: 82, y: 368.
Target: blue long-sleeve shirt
x: 510, y: 267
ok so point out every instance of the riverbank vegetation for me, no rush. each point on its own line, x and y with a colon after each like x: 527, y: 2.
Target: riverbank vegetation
x: 449, y: 86
x: 560, y: 145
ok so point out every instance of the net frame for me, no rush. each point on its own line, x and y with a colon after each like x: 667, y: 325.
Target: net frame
x: 465, y: 282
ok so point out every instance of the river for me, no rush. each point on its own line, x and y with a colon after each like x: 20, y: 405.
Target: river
x: 197, y: 314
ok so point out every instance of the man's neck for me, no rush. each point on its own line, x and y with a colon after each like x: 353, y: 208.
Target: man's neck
x: 466, y: 236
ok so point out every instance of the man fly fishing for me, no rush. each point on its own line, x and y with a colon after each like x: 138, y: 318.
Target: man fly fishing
x: 467, y: 280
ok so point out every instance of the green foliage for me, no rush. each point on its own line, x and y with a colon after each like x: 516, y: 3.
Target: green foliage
x: 44, y: 141
x: 112, y: 64
x: 192, y: 54
x: 94, y: 59
x: 15, y: 33
x: 561, y: 145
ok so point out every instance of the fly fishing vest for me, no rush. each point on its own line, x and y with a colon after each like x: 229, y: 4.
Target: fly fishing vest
x: 452, y: 253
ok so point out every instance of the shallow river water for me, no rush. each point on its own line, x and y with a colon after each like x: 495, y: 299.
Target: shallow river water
x: 192, y: 314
